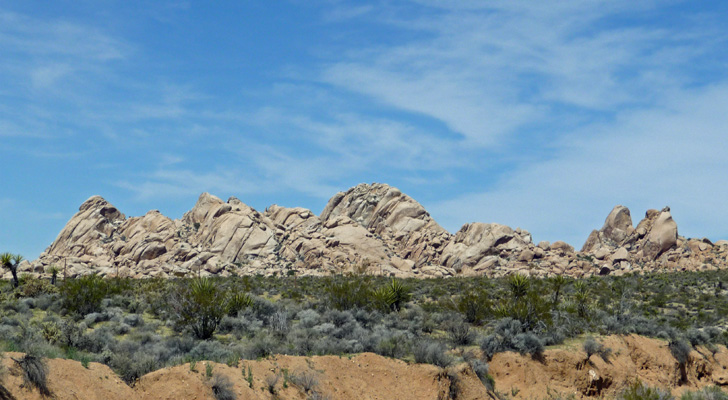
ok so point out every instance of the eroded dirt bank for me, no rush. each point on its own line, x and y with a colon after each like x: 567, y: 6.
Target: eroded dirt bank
x: 368, y: 376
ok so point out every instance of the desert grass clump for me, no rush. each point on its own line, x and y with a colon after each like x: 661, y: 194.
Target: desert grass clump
x: 639, y: 391
x: 35, y: 373
x: 306, y: 380
x: 270, y: 383
x: 222, y: 387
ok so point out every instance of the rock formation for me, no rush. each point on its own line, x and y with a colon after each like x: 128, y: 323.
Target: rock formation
x: 368, y: 229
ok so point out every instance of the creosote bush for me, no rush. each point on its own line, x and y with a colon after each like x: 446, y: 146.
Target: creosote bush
x: 83, y: 295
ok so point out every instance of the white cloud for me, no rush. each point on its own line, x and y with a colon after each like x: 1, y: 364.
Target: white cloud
x: 488, y: 71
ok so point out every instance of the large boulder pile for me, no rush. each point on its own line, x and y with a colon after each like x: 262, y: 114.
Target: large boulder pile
x: 372, y: 229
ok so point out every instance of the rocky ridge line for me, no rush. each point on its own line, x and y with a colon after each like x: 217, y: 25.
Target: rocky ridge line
x: 368, y: 229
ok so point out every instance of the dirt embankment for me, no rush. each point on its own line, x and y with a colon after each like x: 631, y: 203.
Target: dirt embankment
x: 566, y: 370
x: 368, y: 376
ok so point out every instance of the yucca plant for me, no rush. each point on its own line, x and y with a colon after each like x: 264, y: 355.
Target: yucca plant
x: 519, y: 285
x: 238, y: 301
x: 11, y: 262
x: 392, y: 296
x: 53, y: 270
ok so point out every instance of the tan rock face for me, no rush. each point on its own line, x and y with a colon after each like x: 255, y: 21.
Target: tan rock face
x: 367, y: 229
x: 662, y: 236
x: 474, y: 242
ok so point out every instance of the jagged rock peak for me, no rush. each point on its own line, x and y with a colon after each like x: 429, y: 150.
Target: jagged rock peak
x: 654, y: 235
x: 380, y: 208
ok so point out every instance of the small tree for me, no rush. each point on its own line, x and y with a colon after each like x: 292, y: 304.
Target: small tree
x: 11, y: 262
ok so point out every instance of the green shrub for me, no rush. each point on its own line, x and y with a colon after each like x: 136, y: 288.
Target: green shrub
x: 83, y: 295
x: 196, y: 305
x: 475, y: 306
x: 34, y: 287
x: 351, y: 293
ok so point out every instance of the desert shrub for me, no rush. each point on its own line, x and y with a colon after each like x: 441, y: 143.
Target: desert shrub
x: 262, y: 309
x: 34, y: 287
x: 130, y: 367
x: 262, y: 345
x: 302, y: 340
x: 306, y: 380
x: 592, y: 347
x: 45, y: 301
x: 196, y: 306
x: 35, y: 373
x: 482, y: 371
x: 459, y: 333
x: 697, y: 337
x: 71, y: 333
x: 392, y: 344
x: 97, y: 340
x: 244, y: 325
x: 474, y: 306
x: 134, y: 320
x: 508, y: 335
x: 214, y: 351
x: 351, y: 293
x: 707, y: 393
x: 83, y: 295
x: 528, y: 343
x: 308, y: 318
x: 222, y: 387
x: 640, y: 391
x: 680, y: 350
x: 95, y: 317
x: 270, y: 382
x: 434, y: 353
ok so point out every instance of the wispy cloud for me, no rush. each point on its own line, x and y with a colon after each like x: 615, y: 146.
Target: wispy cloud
x: 669, y: 155
x: 490, y: 70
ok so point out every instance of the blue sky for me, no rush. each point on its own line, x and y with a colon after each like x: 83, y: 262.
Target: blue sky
x: 542, y: 115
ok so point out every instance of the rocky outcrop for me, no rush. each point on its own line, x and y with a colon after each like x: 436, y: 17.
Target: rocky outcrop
x: 475, y: 246
x: 401, y: 222
x: 371, y: 228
